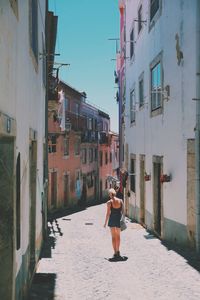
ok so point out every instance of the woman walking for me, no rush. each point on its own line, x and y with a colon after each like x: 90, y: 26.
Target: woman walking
x: 115, y: 209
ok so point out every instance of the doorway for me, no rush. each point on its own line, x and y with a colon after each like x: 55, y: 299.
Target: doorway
x: 142, y: 189
x: 33, y: 185
x: 53, y: 189
x: 100, y: 192
x: 66, y: 189
x: 6, y: 217
x: 157, y: 193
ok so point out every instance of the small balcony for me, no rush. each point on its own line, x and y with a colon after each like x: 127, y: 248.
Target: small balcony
x: 103, y: 138
x: 89, y: 136
x: 78, y: 123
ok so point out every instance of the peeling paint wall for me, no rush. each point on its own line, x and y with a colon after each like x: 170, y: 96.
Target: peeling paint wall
x: 22, y: 100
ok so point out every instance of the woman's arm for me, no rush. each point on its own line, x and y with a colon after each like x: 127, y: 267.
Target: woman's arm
x: 107, y: 213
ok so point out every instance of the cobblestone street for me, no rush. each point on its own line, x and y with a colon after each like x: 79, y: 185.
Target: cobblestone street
x: 75, y: 264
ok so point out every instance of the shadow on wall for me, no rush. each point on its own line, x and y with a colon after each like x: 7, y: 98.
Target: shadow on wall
x: 43, y: 287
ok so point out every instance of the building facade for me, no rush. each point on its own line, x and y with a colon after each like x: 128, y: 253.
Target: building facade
x: 161, y: 70
x: 22, y: 140
x: 79, y: 150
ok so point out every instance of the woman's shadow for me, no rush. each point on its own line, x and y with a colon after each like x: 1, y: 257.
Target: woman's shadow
x: 116, y: 259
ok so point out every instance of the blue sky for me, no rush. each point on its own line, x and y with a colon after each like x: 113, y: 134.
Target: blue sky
x: 84, y: 27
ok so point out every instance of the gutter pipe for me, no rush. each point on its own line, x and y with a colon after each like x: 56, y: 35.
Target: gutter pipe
x: 197, y: 131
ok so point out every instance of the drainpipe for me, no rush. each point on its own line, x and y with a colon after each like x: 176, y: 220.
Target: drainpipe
x: 197, y: 132
x: 45, y: 197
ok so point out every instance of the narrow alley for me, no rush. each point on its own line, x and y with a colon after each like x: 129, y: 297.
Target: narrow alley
x: 75, y: 263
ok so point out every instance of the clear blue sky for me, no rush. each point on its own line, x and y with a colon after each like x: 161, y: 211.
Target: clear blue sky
x: 84, y: 27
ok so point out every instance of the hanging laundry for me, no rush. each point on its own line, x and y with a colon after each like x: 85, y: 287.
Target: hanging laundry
x: 62, y: 110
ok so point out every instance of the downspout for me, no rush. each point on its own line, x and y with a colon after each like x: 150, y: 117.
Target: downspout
x: 45, y: 198
x: 197, y: 131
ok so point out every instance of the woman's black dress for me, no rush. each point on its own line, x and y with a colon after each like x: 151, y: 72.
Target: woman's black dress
x: 115, y: 216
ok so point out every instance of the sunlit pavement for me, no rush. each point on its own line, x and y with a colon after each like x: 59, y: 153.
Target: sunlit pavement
x: 75, y: 264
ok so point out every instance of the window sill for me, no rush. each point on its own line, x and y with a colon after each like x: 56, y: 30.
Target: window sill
x: 132, y: 124
x: 156, y: 111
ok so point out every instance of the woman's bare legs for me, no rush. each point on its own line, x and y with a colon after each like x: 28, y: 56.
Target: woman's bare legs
x: 112, y: 229
x: 115, y: 233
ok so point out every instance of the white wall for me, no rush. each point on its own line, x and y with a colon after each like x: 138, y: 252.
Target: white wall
x: 166, y: 134
x: 22, y: 97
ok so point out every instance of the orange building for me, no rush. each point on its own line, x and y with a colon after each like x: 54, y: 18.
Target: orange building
x: 79, y: 150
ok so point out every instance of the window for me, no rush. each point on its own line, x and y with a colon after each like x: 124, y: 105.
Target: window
x: 89, y: 125
x: 95, y: 154
x: 106, y: 184
x: 156, y: 83
x: 77, y: 175
x: 34, y: 27
x: 66, y: 146
x: 95, y: 124
x: 77, y: 109
x: 84, y: 155
x: 105, y: 127
x: 90, y: 181
x: 154, y: 7
x: 139, y: 19
x: 77, y: 181
x: 52, y: 144
x: 106, y: 157
x: 141, y: 91
x: 90, y: 155
x: 132, y: 106
x: 101, y: 158
x: 77, y: 147
x: 132, y: 43
x: 132, y: 175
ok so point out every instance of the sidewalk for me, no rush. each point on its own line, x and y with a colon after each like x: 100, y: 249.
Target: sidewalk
x: 75, y: 264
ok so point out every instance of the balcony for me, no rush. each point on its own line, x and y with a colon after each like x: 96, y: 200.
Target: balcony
x: 103, y: 138
x: 78, y: 123
x: 89, y: 136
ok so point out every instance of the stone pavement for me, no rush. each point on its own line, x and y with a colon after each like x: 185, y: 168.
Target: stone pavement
x: 75, y: 264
